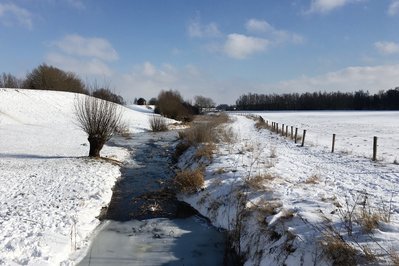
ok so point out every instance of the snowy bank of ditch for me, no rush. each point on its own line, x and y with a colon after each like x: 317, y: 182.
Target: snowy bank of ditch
x: 291, y: 205
x: 51, y: 193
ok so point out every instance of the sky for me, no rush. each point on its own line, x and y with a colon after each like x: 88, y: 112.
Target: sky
x: 214, y: 48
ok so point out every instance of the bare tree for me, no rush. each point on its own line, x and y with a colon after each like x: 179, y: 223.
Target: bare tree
x: 9, y: 81
x: 99, y: 119
x: 203, y: 102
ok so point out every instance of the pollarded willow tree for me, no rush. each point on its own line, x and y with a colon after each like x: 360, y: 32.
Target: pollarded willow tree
x: 99, y: 119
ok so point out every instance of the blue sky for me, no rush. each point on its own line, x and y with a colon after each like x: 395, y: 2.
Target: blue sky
x: 218, y: 49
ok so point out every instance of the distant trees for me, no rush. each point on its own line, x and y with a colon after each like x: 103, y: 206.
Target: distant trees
x: 106, y: 94
x: 153, y: 101
x: 203, y: 102
x: 358, y: 100
x: 46, y: 77
x: 7, y: 80
x: 171, y: 104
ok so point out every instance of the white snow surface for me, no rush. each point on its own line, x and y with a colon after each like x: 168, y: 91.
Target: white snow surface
x: 50, y: 192
x: 354, y: 130
x: 302, y: 195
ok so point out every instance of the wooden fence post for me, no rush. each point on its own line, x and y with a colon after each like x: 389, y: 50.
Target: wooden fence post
x: 303, y: 137
x: 292, y: 132
x: 333, y: 143
x: 286, y: 131
x: 277, y: 128
x: 375, y: 149
x: 282, y: 130
x: 296, y: 134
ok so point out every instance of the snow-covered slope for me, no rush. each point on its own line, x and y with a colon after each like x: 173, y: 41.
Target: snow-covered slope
x: 50, y: 193
x: 286, y: 204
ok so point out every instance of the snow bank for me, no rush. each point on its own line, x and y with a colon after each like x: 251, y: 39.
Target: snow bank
x: 280, y: 199
x: 50, y: 193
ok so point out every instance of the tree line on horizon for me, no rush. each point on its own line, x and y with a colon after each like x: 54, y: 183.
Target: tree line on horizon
x: 358, y: 100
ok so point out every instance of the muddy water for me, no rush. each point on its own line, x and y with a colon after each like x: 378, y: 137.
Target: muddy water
x: 145, y: 224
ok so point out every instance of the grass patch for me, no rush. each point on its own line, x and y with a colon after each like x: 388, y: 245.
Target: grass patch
x: 158, y: 124
x: 205, y: 151
x: 313, y: 179
x: 258, y: 182
x: 189, y: 181
x: 336, y: 249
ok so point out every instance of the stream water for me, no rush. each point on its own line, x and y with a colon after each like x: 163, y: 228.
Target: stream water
x: 144, y: 223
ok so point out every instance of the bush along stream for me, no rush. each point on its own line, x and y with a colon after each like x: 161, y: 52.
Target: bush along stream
x: 145, y: 224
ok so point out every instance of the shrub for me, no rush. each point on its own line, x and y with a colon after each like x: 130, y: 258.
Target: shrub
x: 46, y: 77
x: 189, y: 181
x: 99, y: 119
x: 106, y: 94
x: 158, y: 123
x: 171, y: 104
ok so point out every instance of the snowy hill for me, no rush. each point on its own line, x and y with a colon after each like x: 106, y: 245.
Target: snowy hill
x: 50, y: 192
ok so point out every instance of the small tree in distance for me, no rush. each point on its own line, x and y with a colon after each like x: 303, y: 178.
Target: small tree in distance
x: 203, y: 102
x: 99, y: 119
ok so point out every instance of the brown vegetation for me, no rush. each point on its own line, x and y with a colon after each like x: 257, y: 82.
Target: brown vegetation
x: 189, y: 181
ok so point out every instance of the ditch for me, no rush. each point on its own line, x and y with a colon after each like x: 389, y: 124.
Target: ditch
x: 145, y: 224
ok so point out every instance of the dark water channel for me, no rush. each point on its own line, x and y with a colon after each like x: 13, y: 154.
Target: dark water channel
x: 145, y: 224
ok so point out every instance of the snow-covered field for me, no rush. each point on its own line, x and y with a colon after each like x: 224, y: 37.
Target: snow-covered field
x: 354, y: 130
x: 50, y: 192
x: 289, y: 198
x: 287, y: 203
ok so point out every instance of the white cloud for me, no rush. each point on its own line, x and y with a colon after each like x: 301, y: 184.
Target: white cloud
x: 276, y: 36
x: 197, y: 30
x: 325, y: 6
x: 255, y: 25
x: 241, y: 46
x: 11, y: 14
x: 387, y: 47
x: 393, y: 8
x: 77, y: 45
x: 78, y: 4
x: 372, y: 78
x: 84, y: 67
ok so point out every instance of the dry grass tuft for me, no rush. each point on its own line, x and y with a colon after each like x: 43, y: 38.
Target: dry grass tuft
x: 158, y: 124
x: 266, y: 208
x: 258, y: 182
x: 189, y: 181
x: 273, y: 152
x: 340, y: 252
x: 206, y: 129
x: 220, y: 171
x: 394, y: 256
x: 205, y: 151
x: 368, y: 221
x: 369, y: 255
x: 313, y: 179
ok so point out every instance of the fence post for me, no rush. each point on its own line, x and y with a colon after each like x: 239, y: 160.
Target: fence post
x: 292, y: 132
x: 277, y: 128
x: 282, y: 130
x: 286, y: 131
x: 296, y: 133
x: 375, y: 149
x: 333, y: 143
x: 303, y: 137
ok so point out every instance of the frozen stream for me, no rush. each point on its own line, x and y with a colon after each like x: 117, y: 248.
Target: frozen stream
x: 145, y: 224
